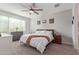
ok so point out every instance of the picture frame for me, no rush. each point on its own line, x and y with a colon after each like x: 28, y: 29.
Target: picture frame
x: 38, y: 22
x: 44, y: 21
x: 51, y: 20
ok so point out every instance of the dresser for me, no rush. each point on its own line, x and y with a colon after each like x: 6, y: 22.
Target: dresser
x: 16, y: 35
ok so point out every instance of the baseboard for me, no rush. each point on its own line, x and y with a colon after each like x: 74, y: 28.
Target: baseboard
x: 67, y: 43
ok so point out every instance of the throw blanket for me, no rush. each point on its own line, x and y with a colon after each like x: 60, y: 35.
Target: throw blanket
x: 38, y: 41
x: 35, y: 36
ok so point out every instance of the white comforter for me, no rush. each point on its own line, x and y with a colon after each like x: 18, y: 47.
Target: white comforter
x: 39, y: 43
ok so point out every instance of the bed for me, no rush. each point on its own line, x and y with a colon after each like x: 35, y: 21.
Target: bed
x: 39, y: 40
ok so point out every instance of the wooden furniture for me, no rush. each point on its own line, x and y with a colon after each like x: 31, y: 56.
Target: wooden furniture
x: 57, y: 38
x: 16, y: 35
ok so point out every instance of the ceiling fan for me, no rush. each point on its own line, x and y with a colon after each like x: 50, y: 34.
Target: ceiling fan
x: 33, y: 8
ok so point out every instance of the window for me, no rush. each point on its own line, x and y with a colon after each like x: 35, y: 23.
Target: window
x: 4, y: 24
x: 16, y: 25
x: 9, y: 24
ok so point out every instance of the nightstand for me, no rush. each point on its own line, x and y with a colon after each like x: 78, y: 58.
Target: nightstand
x: 57, y: 38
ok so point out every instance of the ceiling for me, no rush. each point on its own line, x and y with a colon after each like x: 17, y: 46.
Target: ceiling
x: 48, y: 8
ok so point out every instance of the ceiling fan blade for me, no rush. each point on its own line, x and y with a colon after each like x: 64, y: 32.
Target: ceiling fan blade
x: 36, y: 12
x: 38, y: 9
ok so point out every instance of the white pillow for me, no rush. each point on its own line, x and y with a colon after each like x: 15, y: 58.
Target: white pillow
x: 38, y: 32
x: 42, y: 31
x: 48, y: 32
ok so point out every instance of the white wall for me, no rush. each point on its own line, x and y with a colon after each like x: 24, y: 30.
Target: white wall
x: 27, y: 29
x: 62, y: 24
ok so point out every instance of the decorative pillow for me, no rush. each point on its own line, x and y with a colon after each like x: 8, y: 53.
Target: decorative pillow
x: 40, y: 32
x: 37, y: 32
x: 48, y: 32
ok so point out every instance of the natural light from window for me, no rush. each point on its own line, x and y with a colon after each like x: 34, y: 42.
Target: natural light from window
x: 4, y: 24
x: 16, y: 25
x: 9, y: 24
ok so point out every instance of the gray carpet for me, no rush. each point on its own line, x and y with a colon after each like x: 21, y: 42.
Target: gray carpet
x: 15, y: 48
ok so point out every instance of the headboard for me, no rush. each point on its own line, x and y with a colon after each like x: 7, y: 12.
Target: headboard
x: 46, y: 30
